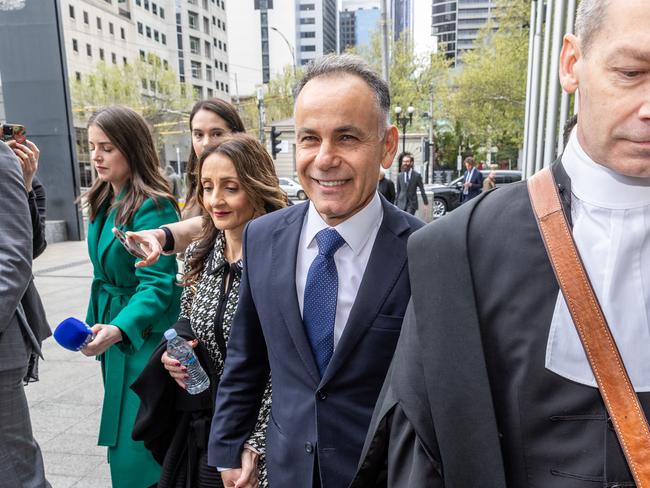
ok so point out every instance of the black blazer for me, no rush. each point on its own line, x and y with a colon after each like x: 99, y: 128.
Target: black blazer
x: 407, y: 194
x: 468, y: 401
x: 311, y: 416
x: 476, y: 182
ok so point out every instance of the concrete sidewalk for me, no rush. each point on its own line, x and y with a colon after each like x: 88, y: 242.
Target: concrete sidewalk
x: 66, y: 403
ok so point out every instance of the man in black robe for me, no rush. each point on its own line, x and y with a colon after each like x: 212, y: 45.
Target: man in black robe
x: 481, y: 393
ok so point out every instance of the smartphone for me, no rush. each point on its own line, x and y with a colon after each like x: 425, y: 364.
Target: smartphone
x: 16, y: 132
x: 133, y: 249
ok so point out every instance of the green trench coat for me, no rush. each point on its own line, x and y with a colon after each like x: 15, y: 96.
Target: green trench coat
x: 143, y: 303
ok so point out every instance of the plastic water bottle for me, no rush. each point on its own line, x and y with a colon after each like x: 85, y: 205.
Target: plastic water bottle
x: 179, y: 349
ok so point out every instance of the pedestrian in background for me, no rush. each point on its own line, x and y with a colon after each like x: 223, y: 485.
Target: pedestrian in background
x: 129, y: 308
x: 237, y: 183
x: 210, y: 121
x: 491, y: 181
x: 21, y: 462
x: 386, y: 187
x: 408, y: 182
x: 472, y: 181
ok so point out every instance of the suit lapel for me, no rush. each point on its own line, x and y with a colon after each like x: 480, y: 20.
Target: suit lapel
x: 378, y: 280
x: 284, y: 253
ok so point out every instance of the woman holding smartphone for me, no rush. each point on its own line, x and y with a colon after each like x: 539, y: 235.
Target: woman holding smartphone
x: 237, y: 183
x: 129, y: 307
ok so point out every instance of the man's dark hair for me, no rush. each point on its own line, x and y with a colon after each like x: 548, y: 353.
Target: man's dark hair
x: 403, y: 155
x: 348, y: 64
x: 470, y: 160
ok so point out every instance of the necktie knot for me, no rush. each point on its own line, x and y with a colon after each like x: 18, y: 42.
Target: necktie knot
x: 329, y: 241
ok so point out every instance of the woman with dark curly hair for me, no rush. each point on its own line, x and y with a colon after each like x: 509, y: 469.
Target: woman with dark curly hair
x: 237, y: 182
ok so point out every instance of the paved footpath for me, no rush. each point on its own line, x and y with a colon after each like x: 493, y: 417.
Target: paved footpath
x: 65, y: 404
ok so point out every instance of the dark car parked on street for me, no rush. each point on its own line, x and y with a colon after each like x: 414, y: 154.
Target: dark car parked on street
x: 447, y: 197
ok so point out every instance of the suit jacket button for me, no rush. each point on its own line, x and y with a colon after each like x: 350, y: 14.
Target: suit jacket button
x: 321, y: 394
x: 309, y: 448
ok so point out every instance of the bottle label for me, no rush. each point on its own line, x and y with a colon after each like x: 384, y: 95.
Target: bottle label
x: 190, y: 360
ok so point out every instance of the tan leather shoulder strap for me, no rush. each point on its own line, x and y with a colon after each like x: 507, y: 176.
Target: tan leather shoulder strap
x: 613, y: 381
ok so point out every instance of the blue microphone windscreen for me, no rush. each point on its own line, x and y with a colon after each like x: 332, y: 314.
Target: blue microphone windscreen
x: 72, y: 334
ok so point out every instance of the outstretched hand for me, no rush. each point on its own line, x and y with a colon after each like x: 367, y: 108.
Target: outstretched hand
x: 151, y: 242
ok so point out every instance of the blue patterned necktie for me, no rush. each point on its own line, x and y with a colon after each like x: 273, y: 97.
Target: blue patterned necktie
x: 321, y: 291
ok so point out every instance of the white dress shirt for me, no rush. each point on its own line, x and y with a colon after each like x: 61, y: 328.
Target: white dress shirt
x: 611, y: 227
x: 359, y: 233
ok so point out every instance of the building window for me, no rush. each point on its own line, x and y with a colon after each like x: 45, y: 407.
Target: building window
x: 227, y: 88
x: 89, y: 50
x: 101, y: 54
x: 307, y: 35
x: 205, y: 4
x: 142, y: 55
x: 111, y: 28
x: 146, y: 4
x: 114, y: 58
x: 193, y: 2
x: 196, y: 70
x: 307, y: 48
x: 220, y: 45
x: 214, y: 20
x: 193, y: 20
x: 223, y: 24
x: 195, y: 45
x: 138, y: 3
x: 207, y: 52
x: 156, y: 36
x: 224, y: 47
x: 225, y: 67
x: 208, y: 72
x: 210, y: 93
x: 144, y: 83
x: 165, y: 64
x: 148, y: 31
x: 218, y: 23
x: 221, y: 65
x: 124, y: 61
x: 198, y: 92
x: 163, y: 39
x: 75, y: 46
x: 206, y: 25
x: 71, y: 10
x: 99, y: 23
x: 162, y: 12
x: 77, y: 75
x: 122, y: 33
x: 308, y: 6
x: 140, y: 28
x: 154, y: 8
x: 152, y: 85
x: 86, y: 21
x: 222, y: 87
x: 307, y: 21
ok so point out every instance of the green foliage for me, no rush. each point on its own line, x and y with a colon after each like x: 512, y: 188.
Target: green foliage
x: 149, y: 87
x: 490, y: 89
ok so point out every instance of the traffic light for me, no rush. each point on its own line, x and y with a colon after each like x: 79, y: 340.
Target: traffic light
x: 275, y: 142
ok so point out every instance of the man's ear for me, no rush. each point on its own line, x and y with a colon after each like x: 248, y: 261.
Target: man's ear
x: 391, y: 141
x: 569, y: 59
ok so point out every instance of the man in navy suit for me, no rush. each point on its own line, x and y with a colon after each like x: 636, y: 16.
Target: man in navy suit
x: 323, y: 293
x: 472, y: 181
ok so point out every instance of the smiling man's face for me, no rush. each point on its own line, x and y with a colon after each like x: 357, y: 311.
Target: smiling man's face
x: 613, y: 81
x: 341, y: 142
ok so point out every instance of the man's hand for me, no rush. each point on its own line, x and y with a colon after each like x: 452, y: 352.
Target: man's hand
x: 175, y: 368
x: 105, y: 336
x: 28, y: 155
x: 245, y: 477
x: 151, y: 242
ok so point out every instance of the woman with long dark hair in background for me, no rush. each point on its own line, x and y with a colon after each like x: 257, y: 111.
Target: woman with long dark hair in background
x: 129, y: 307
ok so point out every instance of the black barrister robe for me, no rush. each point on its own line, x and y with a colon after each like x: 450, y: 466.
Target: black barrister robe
x: 467, y: 401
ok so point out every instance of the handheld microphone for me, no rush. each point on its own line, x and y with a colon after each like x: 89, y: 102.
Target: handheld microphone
x: 73, y: 334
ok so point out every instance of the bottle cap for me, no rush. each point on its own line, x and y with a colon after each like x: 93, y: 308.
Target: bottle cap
x: 170, y: 334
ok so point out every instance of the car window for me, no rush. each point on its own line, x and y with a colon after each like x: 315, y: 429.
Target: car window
x: 283, y: 181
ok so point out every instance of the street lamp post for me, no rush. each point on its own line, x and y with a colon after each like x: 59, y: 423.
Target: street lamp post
x: 404, y: 121
x: 293, y: 53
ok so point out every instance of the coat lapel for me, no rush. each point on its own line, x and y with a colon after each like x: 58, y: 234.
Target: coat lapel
x: 284, y: 253
x: 94, y: 232
x: 387, y: 260
x: 106, y: 236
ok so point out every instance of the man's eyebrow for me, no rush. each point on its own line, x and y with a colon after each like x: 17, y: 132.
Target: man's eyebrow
x: 629, y: 52
x: 347, y: 128
x: 305, y: 131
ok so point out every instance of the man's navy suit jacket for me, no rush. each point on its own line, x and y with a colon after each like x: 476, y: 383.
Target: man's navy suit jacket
x: 311, y: 416
x: 477, y: 185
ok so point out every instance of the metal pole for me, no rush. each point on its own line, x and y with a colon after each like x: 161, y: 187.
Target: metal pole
x: 554, y: 85
x: 539, y: 143
x: 237, y: 93
x: 383, y: 24
x: 529, y: 84
x: 404, y: 136
x: 564, y: 103
x: 291, y: 50
x: 534, y: 108
x: 430, y: 166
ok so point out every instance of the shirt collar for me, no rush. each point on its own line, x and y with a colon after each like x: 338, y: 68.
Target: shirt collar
x: 355, y: 231
x: 216, y: 259
x: 597, y: 185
